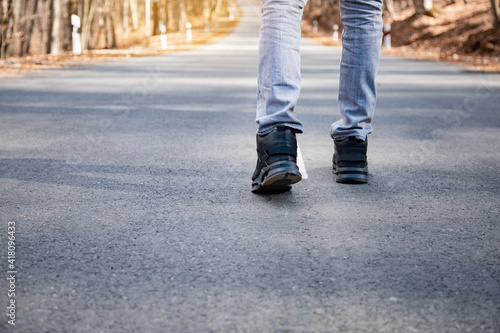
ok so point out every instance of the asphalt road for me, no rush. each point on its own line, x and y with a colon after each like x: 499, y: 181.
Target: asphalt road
x: 129, y: 185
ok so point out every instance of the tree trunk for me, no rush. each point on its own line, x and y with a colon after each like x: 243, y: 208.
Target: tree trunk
x: 96, y: 27
x: 1, y: 28
x: 114, y: 45
x: 110, y: 25
x: 182, y: 16
x: 30, y: 12
x: 170, y: 16
x: 65, y: 25
x: 46, y: 13
x: 163, y: 12
x: 125, y: 16
x: 207, y: 10
x: 19, y: 6
x: 496, y: 13
x: 135, y: 15
x: 55, y: 42
x: 9, y: 28
x: 156, y: 19
x: 85, y: 14
x: 218, y: 7
x: 5, y: 6
x: 87, y: 24
x: 389, y: 4
x: 3, y: 19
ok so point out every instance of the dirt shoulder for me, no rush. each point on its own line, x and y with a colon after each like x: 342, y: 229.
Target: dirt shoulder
x: 462, y: 33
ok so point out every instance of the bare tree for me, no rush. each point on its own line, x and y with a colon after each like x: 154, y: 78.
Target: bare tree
x: 125, y: 16
x: 496, y: 13
x: 207, y: 10
x: 109, y: 25
x: 170, y: 16
x: 19, y: 6
x: 88, y: 19
x: 30, y: 19
x: 45, y: 13
x: 1, y: 26
x: 389, y: 4
x: 55, y: 42
x: 182, y: 15
x: 135, y: 15
x: 218, y: 7
x: 4, y: 21
x: 49, y: 21
x: 66, y: 27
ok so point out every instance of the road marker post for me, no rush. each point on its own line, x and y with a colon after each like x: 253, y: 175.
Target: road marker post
x: 336, y: 33
x: 75, y: 36
x: 189, y: 33
x: 163, y: 37
x: 387, y: 36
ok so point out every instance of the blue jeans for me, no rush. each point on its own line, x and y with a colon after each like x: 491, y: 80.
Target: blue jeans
x: 279, y: 66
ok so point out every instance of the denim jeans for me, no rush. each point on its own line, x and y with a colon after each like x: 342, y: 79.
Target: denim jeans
x: 279, y: 66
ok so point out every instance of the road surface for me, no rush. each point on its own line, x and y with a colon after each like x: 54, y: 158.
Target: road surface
x: 129, y: 187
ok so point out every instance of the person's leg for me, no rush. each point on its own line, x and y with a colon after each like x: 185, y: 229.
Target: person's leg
x: 279, y: 65
x: 361, y: 42
x: 278, y: 91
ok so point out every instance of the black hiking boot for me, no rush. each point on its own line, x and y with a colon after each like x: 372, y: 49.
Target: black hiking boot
x: 349, y: 161
x: 277, y: 166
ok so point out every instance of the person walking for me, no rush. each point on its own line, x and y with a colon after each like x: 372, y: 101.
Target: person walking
x: 279, y: 84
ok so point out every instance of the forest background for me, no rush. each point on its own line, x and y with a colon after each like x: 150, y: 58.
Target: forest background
x: 40, y: 31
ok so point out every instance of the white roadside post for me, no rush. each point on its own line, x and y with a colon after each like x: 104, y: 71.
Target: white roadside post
x: 189, y: 33
x: 336, y: 33
x: 207, y: 26
x: 387, y: 36
x: 231, y: 13
x: 163, y: 37
x: 315, y: 27
x: 75, y: 36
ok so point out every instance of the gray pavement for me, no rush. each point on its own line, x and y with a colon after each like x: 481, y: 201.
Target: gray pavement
x: 129, y: 186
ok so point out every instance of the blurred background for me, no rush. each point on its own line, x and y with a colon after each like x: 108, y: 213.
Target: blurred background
x: 37, y: 27
x: 466, y: 31
x: 460, y: 31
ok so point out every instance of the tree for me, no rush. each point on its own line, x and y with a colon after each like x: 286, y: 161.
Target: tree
x: 18, y: 26
x: 5, y: 18
x: 170, y: 16
x: 27, y: 24
x: 496, y: 13
x: 88, y: 18
x: 135, y: 15
x: 182, y: 16
x: 55, y: 41
x: 389, y: 4
x: 30, y: 18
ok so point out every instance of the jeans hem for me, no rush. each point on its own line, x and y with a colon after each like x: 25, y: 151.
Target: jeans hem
x: 299, y: 129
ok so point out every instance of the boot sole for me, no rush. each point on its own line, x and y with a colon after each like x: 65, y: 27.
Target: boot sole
x: 351, y: 175
x: 352, y: 179
x: 277, y: 180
